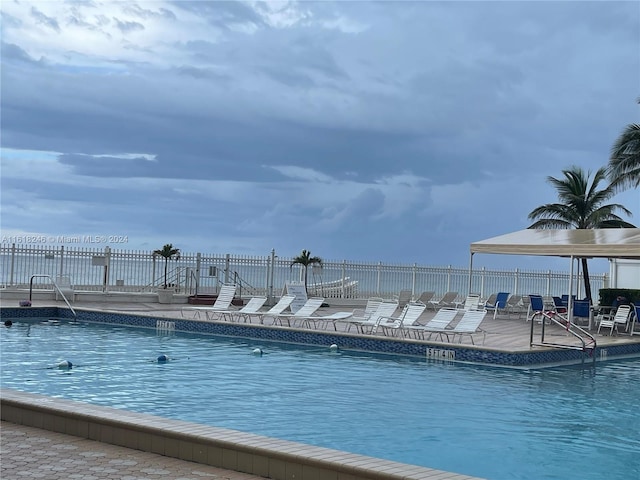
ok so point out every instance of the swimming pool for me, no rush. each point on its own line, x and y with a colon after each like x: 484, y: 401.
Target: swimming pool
x: 489, y: 422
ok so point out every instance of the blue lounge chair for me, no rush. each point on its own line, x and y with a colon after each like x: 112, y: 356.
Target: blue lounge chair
x: 499, y: 305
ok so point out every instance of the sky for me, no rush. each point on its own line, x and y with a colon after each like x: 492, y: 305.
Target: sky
x: 394, y: 132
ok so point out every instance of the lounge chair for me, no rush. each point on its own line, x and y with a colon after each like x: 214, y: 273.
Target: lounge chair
x: 515, y: 305
x: 472, y: 302
x: 621, y: 317
x: 283, y: 303
x: 426, y: 297
x: 403, y: 297
x: 323, y: 320
x: 370, y: 325
x: 222, y: 303
x: 252, y: 306
x: 307, y: 310
x: 438, y: 324
x: 447, y: 300
x: 500, y: 304
x: 407, y: 318
x: 469, y: 324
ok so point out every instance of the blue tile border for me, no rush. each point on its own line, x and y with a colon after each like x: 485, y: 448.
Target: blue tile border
x: 438, y: 351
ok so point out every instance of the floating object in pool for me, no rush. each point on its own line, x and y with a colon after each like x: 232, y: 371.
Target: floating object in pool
x: 163, y: 358
x: 65, y: 364
x: 333, y: 347
x: 8, y: 323
x: 257, y: 351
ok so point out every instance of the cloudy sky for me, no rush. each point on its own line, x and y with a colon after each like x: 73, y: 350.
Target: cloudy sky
x: 376, y: 131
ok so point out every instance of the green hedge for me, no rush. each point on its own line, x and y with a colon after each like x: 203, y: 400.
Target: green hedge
x: 608, y: 295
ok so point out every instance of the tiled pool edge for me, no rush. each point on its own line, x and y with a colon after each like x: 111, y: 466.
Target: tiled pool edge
x: 541, y: 357
x: 219, y: 447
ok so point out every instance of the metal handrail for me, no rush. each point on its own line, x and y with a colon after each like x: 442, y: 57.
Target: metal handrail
x: 56, y: 287
x: 570, y: 327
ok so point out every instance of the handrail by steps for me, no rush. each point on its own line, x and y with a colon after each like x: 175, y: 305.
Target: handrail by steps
x: 575, y: 330
x: 56, y: 287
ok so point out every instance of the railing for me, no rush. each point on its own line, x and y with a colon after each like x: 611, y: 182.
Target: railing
x: 55, y: 286
x: 110, y: 270
x: 588, y: 341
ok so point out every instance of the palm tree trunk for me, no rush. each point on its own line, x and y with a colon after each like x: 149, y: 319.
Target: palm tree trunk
x: 305, y: 281
x: 587, y: 280
x: 166, y: 265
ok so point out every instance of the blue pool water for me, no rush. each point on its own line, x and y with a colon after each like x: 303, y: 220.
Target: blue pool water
x: 489, y: 422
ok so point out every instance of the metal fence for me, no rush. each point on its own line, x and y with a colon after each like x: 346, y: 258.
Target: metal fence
x: 111, y: 270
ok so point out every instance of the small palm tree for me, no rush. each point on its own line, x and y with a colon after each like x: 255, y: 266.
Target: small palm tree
x: 581, y: 205
x: 167, y: 252
x: 305, y: 259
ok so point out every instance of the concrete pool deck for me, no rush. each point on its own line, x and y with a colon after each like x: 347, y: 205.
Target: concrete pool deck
x: 126, y: 443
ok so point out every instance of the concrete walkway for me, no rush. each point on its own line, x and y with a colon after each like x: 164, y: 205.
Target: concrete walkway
x: 28, y: 452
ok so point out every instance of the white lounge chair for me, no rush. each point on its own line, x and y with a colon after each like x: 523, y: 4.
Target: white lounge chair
x: 359, y: 314
x: 468, y: 325
x: 407, y: 318
x: 438, y: 324
x: 472, y: 302
x: 252, y: 306
x: 370, y: 325
x: 315, y: 321
x: 307, y: 310
x: 283, y: 303
x: 222, y: 303
x: 621, y: 317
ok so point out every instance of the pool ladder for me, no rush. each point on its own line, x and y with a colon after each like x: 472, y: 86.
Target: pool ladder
x: 56, y: 287
x: 587, y: 340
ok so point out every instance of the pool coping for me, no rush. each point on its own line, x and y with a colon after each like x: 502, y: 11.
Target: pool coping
x: 219, y: 447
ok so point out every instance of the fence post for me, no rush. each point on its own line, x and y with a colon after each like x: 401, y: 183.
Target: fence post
x: 107, y: 264
x: 548, y: 283
x: 344, y: 272
x: 270, y: 270
x: 449, y: 278
x: 198, y: 267
x: 13, y: 263
x: 482, y: 278
x: 515, y: 282
x: 227, y: 262
x: 413, y: 280
x: 378, y: 279
x: 61, y: 260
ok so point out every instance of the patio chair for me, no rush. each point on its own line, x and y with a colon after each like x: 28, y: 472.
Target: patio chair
x: 500, y: 304
x: 469, y: 325
x: 621, y: 317
x: 403, y: 298
x: 407, y: 318
x: 560, y: 306
x: 283, y: 303
x: 426, y: 297
x: 515, y: 305
x: 252, y: 306
x: 438, y: 324
x: 447, y: 300
x: 222, y: 303
x: 472, y: 302
x: 370, y: 325
x: 307, y: 310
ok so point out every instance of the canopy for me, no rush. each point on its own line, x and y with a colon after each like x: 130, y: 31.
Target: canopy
x: 602, y: 243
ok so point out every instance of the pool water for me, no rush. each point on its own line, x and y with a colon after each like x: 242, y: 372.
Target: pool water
x: 496, y: 423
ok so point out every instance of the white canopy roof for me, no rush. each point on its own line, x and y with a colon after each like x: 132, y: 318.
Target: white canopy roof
x: 604, y: 243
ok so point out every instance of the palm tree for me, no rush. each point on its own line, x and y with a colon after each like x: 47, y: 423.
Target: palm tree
x: 624, y: 163
x: 581, y: 205
x: 305, y: 259
x: 167, y: 252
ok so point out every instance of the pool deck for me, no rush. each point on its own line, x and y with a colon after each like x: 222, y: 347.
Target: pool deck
x: 48, y: 451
